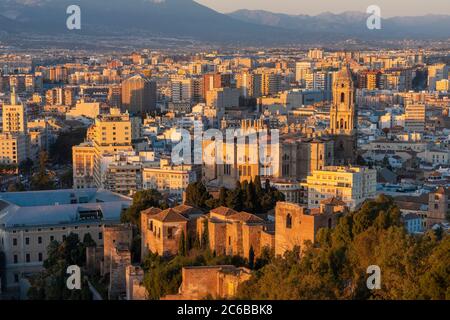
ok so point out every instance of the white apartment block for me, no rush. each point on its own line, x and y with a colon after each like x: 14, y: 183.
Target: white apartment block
x: 353, y: 185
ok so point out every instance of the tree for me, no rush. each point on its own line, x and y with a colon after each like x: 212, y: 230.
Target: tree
x: 258, y: 187
x: 141, y: 200
x: 251, y: 200
x: 16, y: 187
x: 26, y: 167
x: 235, y: 198
x: 42, y: 180
x: 61, y: 150
x: 182, y: 245
x: 251, y: 258
x: 223, y: 194
x: 197, y: 195
x: 204, y: 242
x: 51, y: 283
x: 334, y: 267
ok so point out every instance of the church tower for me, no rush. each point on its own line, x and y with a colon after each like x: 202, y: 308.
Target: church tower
x: 343, y: 118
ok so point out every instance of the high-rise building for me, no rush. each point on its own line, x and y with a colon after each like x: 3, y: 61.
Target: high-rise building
x: 115, y: 96
x: 215, y: 81
x: 139, y: 95
x: 415, y: 116
x: 270, y: 83
x: 320, y: 80
x: 316, y: 54
x: 436, y: 72
x: 60, y: 96
x: 301, y: 69
x: 181, y: 90
x: 111, y: 133
x: 223, y: 98
x: 13, y: 148
x: 369, y: 79
x: 250, y: 84
x: 14, y: 115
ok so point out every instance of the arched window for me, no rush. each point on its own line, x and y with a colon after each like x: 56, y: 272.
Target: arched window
x: 288, y: 221
x: 342, y: 124
x: 151, y: 225
x: 342, y: 97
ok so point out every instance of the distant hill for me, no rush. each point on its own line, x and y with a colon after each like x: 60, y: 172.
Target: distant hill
x: 168, y: 18
x: 352, y: 24
x: 186, y: 19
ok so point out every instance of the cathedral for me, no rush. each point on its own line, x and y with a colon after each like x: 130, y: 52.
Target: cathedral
x: 343, y: 118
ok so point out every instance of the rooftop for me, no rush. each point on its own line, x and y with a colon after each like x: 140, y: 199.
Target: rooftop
x: 59, y: 207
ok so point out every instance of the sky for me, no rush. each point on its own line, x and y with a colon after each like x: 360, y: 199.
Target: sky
x: 389, y: 8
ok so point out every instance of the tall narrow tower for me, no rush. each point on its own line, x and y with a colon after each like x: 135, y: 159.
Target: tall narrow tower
x: 343, y: 118
x: 342, y: 113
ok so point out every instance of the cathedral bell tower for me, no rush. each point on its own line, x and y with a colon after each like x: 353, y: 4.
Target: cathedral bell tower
x: 343, y: 118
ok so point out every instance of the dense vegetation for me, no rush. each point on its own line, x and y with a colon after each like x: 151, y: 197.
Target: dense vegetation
x: 412, y: 267
x: 248, y: 196
x: 51, y: 283
x: 61, y: 150
x: 163, y: 274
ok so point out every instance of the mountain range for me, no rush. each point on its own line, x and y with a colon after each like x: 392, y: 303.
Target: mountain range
x: 186, y: 19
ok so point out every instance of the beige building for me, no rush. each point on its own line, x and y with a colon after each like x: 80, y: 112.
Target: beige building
x: 51, y: 216
x: 295, y: 224
x: 170, y: 179
x: 112, y: 134
x: 83, y: 166
x: 415, y: 116
x: 235, y: 233
x: 139, y: 95
x: 13, y: 148
x: 218, y: 282
x: 352, y: 185
x: 14, y: 116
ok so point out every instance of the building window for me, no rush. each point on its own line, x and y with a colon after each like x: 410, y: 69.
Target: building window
x: 39, y: 240
x: 100, y: 235
x: 289, y: 221
x: 27, y: 241
x: 27, y: 257
x: 16, y: 258
x: 14, y: 242
x: 170, y: 233
x: 52, y: 238
x: 329, y: 223
x: 16, y: 278
x: 342, y: 97
x: 40, y: 256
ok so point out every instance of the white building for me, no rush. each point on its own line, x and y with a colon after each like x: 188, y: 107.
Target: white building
x: 30, y: 221
x: 353, y: 185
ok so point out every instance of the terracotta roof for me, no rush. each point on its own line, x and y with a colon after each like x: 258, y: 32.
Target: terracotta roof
x: 333, y: 201
x: 151, y: 211
x: 245, y: 217
x: 187, y: 210
x: 169, y: 215
x: 224, y: 211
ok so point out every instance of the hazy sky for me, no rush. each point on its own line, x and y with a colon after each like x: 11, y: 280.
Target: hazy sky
x: 389, y: 8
